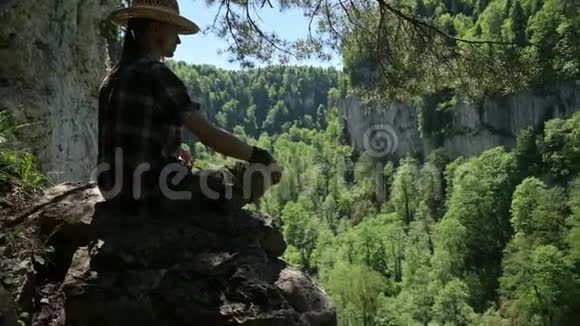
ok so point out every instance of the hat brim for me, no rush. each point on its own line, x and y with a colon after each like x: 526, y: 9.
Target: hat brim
x: 121, y: 17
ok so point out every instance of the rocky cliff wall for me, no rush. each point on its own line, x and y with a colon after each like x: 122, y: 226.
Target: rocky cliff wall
x: 52, y: 61
x: 392, y: 131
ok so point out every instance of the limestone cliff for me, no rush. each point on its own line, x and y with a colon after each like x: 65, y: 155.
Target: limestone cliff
x: 473, y: 128
x: 52, y: 61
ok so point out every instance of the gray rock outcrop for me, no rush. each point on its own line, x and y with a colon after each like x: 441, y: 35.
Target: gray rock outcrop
x: 53, y: 58
x: 110, y: 267
x: 475, y: 128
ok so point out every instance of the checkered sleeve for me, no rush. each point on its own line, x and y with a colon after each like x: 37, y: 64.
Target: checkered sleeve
x: 170, y: 92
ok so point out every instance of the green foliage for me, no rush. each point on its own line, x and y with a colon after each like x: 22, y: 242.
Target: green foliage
x: 573, y: 222
x: 518, y: 24
x: 434, y: 183
x: 404, y: 194
x: 414, y: 304
x: 450, y: 250
x: 492, y: 318
x: 300, y: 230
x: 263, y: 99
x: 449, y: 174
x: 538, y: 282
x: 526, y: 199
x: 435, y: 115
x: 451, y: 305
x: 561, y: 147
x: 538, y: 44
x: 480, y: 202
x: 419, y: 249
x: 528, y: 157
x: 16, y: 167
x: 358, y: 301
x: 369, y: 248
x: 473, y: 241
x: 551, y: 29
x: 439, y: 158
x: 109, y: 31
x: 431, y: 191
x: 540, y: 289
x: 548, y: 219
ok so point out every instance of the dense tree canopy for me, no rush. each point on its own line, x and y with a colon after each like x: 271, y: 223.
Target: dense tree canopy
x: 264, y: 99
x: 492, y: 239
x: 486, y: 240
x: 405, y: 48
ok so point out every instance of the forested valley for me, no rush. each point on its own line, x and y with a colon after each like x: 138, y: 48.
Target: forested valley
x: 431, y: 238
x: 437, y: 240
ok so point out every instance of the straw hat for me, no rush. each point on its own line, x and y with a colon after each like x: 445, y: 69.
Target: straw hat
x: 160, y: 10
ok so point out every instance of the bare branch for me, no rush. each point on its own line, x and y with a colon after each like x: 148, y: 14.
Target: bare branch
x: 268, y: 2
x: 314, y: 12
x: 230, y: 24
x: 217, y: 15
x: 258, y: 30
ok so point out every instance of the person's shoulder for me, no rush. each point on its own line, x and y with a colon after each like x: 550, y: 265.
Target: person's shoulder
x: 154, y: 70
x: 164, y: 74
x: 161, y: 68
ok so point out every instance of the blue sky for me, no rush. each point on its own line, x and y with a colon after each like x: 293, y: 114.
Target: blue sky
x: 203, y: 48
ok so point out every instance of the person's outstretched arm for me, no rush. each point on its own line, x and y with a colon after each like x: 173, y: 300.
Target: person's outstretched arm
x: 227, y: 143
x: 218, y: 139
x: 171, y: 95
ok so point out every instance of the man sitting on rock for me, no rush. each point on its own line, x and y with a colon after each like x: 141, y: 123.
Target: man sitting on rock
x: 142, y: 108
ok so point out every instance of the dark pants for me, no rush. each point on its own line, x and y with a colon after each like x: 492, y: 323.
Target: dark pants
x: 225, y: 189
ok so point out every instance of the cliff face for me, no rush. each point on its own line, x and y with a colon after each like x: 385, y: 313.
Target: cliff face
x: 474, y: 129
x: 53, y: 59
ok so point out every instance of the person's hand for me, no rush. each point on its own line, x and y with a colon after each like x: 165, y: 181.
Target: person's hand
x: 277, y: 174
x: 262, y: 156
x: 185, y: 155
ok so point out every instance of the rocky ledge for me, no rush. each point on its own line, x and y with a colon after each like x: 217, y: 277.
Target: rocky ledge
x: 95, y: 265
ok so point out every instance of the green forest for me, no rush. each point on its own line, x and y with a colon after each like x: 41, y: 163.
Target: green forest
x: 266, y: 100
x: 486, y: 240
x: 472, y: 241
x: 489, y: 47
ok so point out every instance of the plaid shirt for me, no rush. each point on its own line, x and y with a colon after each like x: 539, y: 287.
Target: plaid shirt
x: 139, y: 126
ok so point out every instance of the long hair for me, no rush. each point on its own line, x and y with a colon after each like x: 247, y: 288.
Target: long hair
x: 133, y: 48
